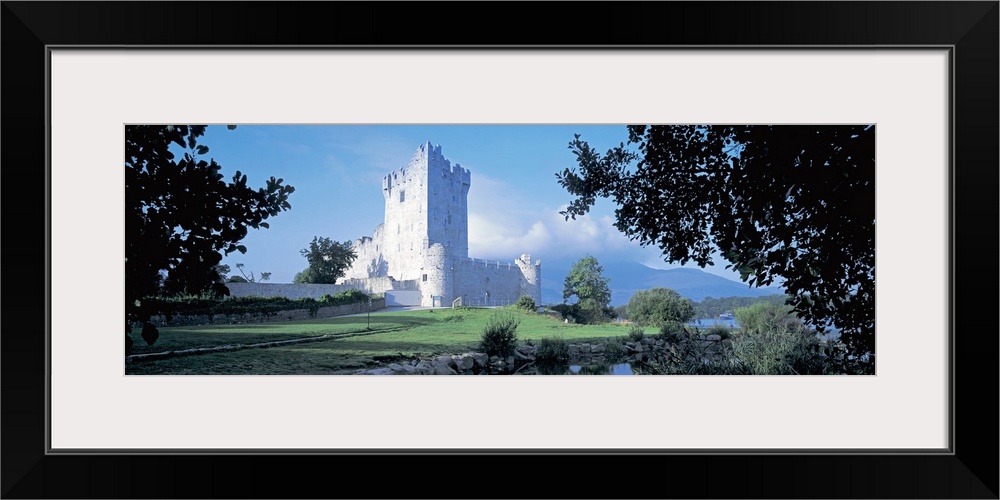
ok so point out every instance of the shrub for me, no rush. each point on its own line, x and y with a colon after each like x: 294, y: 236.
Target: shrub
x: 552, y: 352
x: 771, y: 341
x: 349, y: 296
x: 672, y: 331
x: 636, y: 333
x: 499, y: 338
x: 527, y: 303
x: 720, y: 330
x: 614, y: 351
x: 658, y: 306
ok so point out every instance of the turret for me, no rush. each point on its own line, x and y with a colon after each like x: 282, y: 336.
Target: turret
x: 531, y: 277
x: 436, y: 277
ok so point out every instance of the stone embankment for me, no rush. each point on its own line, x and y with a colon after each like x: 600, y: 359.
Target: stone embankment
x: 649, y: 350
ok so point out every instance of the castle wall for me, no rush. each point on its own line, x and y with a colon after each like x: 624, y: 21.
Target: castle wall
x: 424, y: 239
x: 488, y: 283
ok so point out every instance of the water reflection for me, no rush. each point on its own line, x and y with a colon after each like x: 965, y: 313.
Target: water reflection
x: 593, y: 369
x: 609, y: 369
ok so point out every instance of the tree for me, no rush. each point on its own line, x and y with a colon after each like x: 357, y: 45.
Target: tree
x: 180, y: 217
x: 659, y: 307
x: 328, y: 260
x: 591, y: 288
x: 223, y: 270
x: 792, y: 203
x: 264, y: 276
x: 526, y: 303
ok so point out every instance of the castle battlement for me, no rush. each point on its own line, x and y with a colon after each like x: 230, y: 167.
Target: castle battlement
x: 425, y: 237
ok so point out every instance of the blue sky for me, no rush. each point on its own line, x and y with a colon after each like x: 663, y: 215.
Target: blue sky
x: 514, y: 199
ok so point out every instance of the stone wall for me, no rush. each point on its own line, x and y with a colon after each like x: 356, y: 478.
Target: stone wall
x: 315, y: 291
x: 488, y: 283
x: 289, y: 315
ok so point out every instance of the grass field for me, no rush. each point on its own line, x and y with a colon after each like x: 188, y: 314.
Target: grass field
x: 394, y: 335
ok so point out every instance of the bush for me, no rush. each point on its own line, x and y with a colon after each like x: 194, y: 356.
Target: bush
x: 552, y: 352
x: 500, y: 335
x: 614, y: 351
x: 349, y: 296
x: 672, y: 331
x: 720, y: 330
x: 268, y: 306
x: 771, y: 341
x: 658, y: 306
x: 527, y: 303
x: 636, y: 333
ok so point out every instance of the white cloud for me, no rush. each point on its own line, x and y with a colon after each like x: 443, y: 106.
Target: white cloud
x: 504, y: 223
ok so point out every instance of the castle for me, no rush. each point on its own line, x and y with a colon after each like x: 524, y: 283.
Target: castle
x: 423, y: 244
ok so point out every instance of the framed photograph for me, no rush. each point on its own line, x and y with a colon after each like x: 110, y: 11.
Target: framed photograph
x: 922, y: 76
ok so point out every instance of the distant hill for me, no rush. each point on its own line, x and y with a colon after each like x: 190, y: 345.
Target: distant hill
x: 629, y: 277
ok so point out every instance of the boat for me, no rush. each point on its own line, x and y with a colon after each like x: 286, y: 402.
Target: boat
x: 726, y: 316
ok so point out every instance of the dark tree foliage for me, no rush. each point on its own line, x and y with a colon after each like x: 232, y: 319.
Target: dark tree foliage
x: 792, y: 203
x: 181, y: 217
x: 328, y: 260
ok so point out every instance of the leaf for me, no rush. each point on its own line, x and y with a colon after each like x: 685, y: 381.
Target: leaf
x: 202, y: 149
x: 242, y: 249
x: 150, y: 333
x: 231, y: 127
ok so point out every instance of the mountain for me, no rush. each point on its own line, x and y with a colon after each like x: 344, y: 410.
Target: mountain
x: 629, y: 277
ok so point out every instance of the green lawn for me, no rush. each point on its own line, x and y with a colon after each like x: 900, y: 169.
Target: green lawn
x: 393, y: 336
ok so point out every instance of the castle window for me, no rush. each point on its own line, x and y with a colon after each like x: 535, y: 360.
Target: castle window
x: 402, y: 196
x: 425, y: 277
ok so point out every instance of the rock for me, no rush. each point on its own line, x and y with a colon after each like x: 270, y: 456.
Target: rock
x: 584, y: 348
x: 409, y: 370
x: 495, y: 359
x: 480, y: 359
x: 727, y: 343
x: 463, y: 362
x: 396, y: 367
x: 648, y: 340
x: 520, y: 355
x: 639, y: 348
x: 442, y: 368
x: 714, y: 337
x: 445, y: 359
x: 510, y: 360
x: 574, y: 349
x: 379, y: 371
x: 597, y: 348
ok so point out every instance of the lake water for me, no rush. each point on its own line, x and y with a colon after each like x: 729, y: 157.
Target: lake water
x: 710, y: 322
x: 603, y: 369
x: 831, y: 332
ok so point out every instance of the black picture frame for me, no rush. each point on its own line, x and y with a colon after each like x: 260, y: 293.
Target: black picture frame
x: 970, y: 29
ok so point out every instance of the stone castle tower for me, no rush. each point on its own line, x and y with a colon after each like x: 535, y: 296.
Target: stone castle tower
x: 423, y: 243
